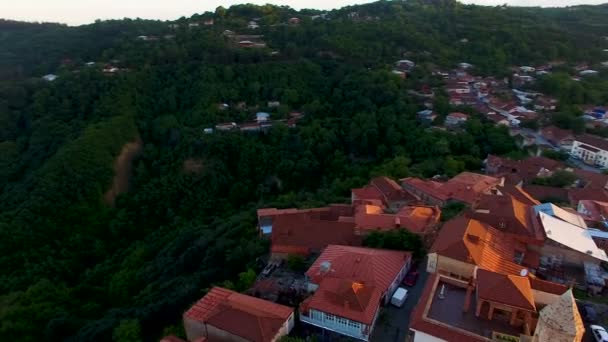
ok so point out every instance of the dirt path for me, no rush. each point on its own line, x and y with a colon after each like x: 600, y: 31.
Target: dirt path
x: 123, y: 167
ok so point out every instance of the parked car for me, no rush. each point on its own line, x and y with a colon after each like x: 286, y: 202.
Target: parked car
x: 588, y: 312
x: 399, y: 297
x: 599, y: 333
x: 410, y: 278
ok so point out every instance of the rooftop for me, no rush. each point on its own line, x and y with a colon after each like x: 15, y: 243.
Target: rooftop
x: 506, y: 289
x: 508, y: 214
x: 445, y: 319
x: 464, y: 187
x: 593, y: 140
x: 301, y: 233
x: 477, y: 243
x: 249, y: 317
x: 523, y: 170
x: 383, y: 189
x: 352, y: 280
x: 571, y: 236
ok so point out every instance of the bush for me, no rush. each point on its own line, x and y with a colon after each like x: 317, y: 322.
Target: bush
x: 295, y: 263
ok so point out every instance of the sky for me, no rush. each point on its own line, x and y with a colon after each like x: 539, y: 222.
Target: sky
x: 76, y: 12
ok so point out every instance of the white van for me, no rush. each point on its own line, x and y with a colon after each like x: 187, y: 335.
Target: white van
x: 399, y: 297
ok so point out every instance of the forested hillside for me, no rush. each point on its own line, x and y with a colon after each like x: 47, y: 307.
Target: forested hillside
x: 74, y: 267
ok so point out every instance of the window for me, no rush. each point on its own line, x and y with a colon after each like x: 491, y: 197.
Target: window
x: 329, y: 317
x: 342, y: 321
x: 354, y: 324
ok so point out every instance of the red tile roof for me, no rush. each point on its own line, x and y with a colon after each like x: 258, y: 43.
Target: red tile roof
x: 356, y: 280
x: 556, y: 135
x: 429, y: 187
x: 467, y: 186
x: 525, y: 170
x: 417, y: 219
x: 300, y: 234
x: 593, y: 140
x: 251, y: 318
x: 477, y: 243
x: 595, y: 210
x: 547, y: 286
x: 588, y: 193
x: 384, y: 189
x: 505, y: 289
x: 518, y: 193
x: 507, y: 214
x: 458, y: 115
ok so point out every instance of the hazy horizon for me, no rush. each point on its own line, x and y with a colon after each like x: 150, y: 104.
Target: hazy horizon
x: 81, y: 12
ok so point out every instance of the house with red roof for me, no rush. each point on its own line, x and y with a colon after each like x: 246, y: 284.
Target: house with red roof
x: 495, y: 307
x: 562, y: 138
x: 416, y: 219
x: 465, y: 244
x: 591, y: 149
x: 595, y: 213
x: 456, y: 119
x: 349, y: 285
x: 225, y: 315
x: 522, y: 171
x: 305, y: 234
x: 385, y: 190
x: 511, y: 216
x: 465, y: 187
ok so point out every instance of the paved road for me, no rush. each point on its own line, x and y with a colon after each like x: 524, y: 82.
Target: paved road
x: 394, y: 322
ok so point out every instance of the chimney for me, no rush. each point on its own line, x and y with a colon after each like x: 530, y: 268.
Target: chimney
x: 346, y: 305
x: 397, y: 221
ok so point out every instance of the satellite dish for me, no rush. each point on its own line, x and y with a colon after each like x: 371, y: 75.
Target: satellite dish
x: 523, y: 272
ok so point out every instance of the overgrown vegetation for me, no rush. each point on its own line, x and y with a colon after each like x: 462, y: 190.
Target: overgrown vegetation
x: 400, y: 239
x: 75, y: 269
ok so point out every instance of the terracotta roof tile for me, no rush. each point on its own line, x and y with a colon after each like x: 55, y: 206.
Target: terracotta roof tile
x: 417, y: 219
x: 300, y: 232
x: 355, y: 281
x: 507, y: 214
x: 593, y: 140
x: 556, y: 135
x: 505, y: 289
x: 476, y: 243
x: 245, y: 316
x: 524, y: 170
x: 547, y: 286
x: 596, y: 211
x: 464, y: 187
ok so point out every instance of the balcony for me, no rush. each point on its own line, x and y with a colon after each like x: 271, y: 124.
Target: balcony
x: 343, y: 329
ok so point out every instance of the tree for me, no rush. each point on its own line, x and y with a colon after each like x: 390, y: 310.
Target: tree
x: 295, y: 262
x: 559, y: 179
x: 246, y: 280
x: 400, y: 239
x: 127, y: 331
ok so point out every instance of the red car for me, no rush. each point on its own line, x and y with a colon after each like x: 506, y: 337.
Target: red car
x: 410, y: 278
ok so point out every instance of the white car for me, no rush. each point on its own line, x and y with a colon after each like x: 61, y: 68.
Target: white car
x: 599, y: 333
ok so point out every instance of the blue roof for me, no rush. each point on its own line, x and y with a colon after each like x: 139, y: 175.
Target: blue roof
x: 546, y: 208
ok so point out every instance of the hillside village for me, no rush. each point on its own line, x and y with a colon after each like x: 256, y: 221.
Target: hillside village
x: 506, y: 267
x: 398, y: 194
